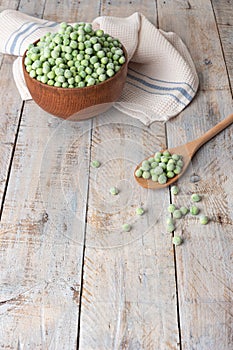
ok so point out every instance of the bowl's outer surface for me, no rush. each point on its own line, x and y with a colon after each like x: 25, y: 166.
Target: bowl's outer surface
x: 77, y: 103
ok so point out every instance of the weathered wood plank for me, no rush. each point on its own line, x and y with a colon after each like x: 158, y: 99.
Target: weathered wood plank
x: 226, y: 34
x: 197, y: 28
x: 33, y: 8
x: 121, y: 8
x: 204, y: 260
x: 223, y: 11
x: 10, y: 113
x: 42, y: 233
x: 129, y: 296
x: 129, y: 285
x: 42, y: 228
x: 72, y: 11
x: 9, y: 4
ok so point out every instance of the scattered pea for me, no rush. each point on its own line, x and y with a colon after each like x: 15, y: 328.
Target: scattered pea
x: 171, y: 208
x: 174, y: 190
x: 126, y: 227
x: 114, y: 191
x: 195, y: 197
x: 170, y: 227
x: 139, y: 211
x: 95, y: 164
x: 177, y: 214
x: 184, y: 210
x: 204, y: 219
x: 177, y: 240
x: 194, y: 210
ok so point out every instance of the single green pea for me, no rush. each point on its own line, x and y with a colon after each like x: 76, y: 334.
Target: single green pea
x: 162, y: 179
x: 158, y: 170
x: 138, y: 173
x: 170, y: 174
x: 95, y: 164
x: 196, y: 197
x: 166, y: 154
x: 170, y: 227
x: 114, y: 191
x: 145, y: 165
x: 139, y: 211
x: 177, y: 170
x: 194, y: 210
x: 126, y: 227
x: 177, y: 214
x: 169, y: 221
x: 154, y: 178
x: 170, y: 166
x: 146, y: 175
x: 177, y: 240
x: 171, y: 208
x: 174, y: 190
x: 204, y: 219
x: 184, y: 210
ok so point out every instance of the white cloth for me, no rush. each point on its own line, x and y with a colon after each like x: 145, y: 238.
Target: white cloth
x: 161, y: 79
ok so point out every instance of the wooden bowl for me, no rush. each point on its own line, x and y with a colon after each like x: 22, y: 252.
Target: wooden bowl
x: 77, y: 103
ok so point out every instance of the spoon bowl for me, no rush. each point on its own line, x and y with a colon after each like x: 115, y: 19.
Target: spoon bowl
x: 187, y: 151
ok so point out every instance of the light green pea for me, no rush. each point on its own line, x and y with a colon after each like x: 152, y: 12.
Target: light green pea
x: 146, y: 175
x: 194, y: 210
x: 138, y: 173
x: 170, y: 227
x: 196, y: 197
x: 184, y: 210
x: 114, y: 191
x: 126, y: 227
x: 204, y: 219
x: 177, y: 214
x: 162, y: 179
x: 139, y: 211
x: 171, y: 208
x: 177, y: 240
x: 174, y: 190
x: 95, y: 164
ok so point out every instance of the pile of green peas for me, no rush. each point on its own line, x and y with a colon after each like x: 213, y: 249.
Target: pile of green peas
x: 161, y: 167
x: 75, y: 56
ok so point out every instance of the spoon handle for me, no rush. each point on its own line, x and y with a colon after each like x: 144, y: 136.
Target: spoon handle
x: 197, y: 143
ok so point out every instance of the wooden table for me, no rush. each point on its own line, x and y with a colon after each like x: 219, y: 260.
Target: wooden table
x: 70, y: 278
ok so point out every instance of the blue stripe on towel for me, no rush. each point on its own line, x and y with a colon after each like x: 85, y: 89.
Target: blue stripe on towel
x: 156, y: 93
x: 19, y: 35
x: 17, y: 30
x: 49, y: 26
x: 162, y: 81
x: 158, y: 87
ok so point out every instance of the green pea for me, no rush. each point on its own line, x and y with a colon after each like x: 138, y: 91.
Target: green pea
x: 177, y: 214
x: 196, y: 197
x: 114, y: 191
x: 177, y: 240
x: 95, y: 164
x: 171, y: 208
x: 139, y: 211
x: 204, y: 219
x: 194, y: 210
x: 138, y: 173
x: 162, y: 179
x: 126, y: 227
x: 146, y: 175
x: 170, y: 227
x: 174, y: 190
x: 184, y: 210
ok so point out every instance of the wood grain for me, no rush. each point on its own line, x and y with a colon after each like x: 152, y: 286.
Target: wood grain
x: 129, y: 295
x: 203, y: 262
x: 42, y: 228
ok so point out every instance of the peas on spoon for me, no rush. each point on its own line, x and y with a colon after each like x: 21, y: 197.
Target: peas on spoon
x: 186, y: 151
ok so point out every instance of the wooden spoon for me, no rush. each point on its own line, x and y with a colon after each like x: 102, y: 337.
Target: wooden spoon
x: 187, y: 151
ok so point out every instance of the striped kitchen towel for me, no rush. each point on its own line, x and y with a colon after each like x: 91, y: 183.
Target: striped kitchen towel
x: 161, y: 80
